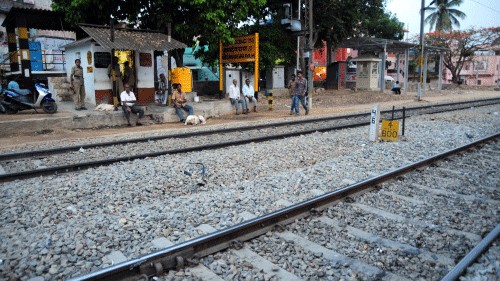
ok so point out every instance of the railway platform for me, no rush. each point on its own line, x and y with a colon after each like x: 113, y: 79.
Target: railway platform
x: 68, y: 118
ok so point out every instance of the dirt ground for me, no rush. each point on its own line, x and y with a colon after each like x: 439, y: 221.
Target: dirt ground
x: 323, y: 103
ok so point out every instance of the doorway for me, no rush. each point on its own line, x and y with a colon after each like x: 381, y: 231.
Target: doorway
x: 127, y: 67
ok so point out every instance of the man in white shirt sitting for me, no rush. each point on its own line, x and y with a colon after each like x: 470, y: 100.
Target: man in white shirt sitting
x: 234, y: 97
x: 248, y: 93
x: 128, y: 104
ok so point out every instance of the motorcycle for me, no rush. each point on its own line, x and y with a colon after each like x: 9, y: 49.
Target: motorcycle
x: 14, y: 100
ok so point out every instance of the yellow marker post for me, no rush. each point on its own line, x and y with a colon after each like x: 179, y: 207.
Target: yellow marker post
x: 390, y: 130
x: 270, y: 100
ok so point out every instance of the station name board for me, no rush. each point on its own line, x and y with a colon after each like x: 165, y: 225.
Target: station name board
x: 244, y: 49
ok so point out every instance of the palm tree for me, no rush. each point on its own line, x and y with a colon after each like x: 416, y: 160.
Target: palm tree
x: 443, y: 15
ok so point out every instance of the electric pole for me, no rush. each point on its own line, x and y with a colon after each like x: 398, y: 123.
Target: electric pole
x: 309, y: 46
x: 422, y: 51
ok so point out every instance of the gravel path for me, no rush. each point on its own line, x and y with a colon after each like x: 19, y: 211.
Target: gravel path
x: 65, y: 225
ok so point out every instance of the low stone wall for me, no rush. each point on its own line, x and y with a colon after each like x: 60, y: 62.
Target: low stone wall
x: 99, y: 119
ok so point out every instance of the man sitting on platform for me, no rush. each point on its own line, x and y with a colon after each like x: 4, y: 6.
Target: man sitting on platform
x: 128, y: 105
x: 395, y: 88
x: 180, y: 103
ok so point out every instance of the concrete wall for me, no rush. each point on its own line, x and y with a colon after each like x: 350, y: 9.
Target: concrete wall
x: 145, y: 74
x: 101, y: 79
x: 80, y: 52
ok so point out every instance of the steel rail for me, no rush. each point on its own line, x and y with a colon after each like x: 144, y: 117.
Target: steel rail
x: 60, y: 150
x: 86, y: 165
x: 172, y: 257
x: 480, y: 248
x: 90, y: 164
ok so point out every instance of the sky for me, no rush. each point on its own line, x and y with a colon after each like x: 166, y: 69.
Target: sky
x: 479, y: 13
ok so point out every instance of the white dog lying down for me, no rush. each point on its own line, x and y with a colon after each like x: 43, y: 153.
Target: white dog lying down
x: 105, y: 107
x: 195, y: 120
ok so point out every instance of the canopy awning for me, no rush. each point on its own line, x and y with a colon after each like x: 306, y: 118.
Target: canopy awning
x: 368, y: 44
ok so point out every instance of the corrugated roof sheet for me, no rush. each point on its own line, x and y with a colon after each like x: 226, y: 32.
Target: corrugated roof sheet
x: 130, y: 39
x: 78, y: 42
x: 377, y: 45
x: 36, y: 18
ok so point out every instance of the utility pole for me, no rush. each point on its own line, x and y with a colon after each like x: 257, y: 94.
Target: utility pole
x: 309, y: 22
x: 422, y: 45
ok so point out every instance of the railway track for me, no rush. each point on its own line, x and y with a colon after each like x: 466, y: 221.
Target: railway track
x: 26, y: 164
x: 58, y: 227
x: 416, y: 224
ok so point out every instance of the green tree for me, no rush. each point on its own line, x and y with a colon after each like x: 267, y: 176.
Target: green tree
x: 443, y: 15
x: 206, y: 20
x: 212, y: 20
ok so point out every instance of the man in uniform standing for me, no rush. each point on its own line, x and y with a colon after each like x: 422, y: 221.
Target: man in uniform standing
x: 78, y: 86
x: 116, y: 79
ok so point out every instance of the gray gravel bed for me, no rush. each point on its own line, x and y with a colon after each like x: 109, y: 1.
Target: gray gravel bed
x: 167, y: 132
x: 101, y: 153
x: 402, y: 263
x: 428, y: 238
x: 61, y: 226
x: 484, y: 187
x: 444, y: 215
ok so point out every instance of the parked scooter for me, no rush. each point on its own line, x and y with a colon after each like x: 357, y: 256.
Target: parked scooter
x: 13, y: 100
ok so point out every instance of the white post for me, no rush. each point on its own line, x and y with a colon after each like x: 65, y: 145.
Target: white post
x: 374, y: 123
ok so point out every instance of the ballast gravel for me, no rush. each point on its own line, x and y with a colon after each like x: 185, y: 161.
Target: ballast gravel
x: 62, y: 226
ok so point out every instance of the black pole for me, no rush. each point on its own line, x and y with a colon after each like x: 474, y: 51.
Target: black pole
x: 113, y: 74
x: 404, y: 118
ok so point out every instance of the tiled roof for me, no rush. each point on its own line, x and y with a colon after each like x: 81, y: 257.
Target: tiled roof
x: 131, y: 39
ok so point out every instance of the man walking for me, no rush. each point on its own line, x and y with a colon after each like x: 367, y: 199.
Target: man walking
x: 78, y: 86
x: 299, y: 94
x: 234, y: 97
x: 248, y: 93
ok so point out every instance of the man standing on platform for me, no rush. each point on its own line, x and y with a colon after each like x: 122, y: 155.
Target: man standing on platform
x: 116, y: 79
x: 78, y: 86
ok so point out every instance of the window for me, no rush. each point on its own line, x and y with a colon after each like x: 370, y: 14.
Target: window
x: 478, y: 82
x: 467, y: 67
x: 480, y: 65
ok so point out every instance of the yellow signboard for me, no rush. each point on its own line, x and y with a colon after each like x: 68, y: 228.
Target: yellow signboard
x: 243, y: 49
x: 390, y: 130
